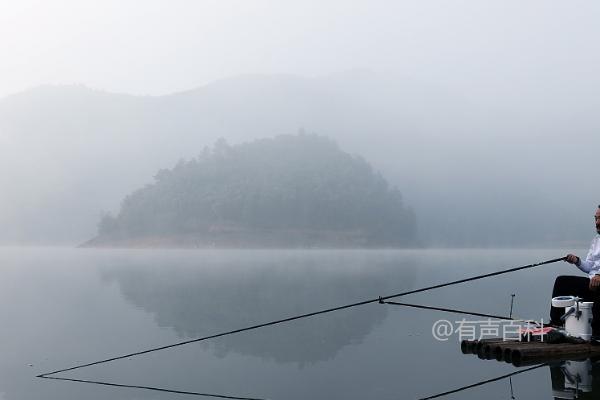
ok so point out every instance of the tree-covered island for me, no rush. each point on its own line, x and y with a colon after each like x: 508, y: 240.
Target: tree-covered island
x: 288, y: 191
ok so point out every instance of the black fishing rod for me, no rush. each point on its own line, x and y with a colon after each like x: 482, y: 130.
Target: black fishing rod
x: 311, y: 314
x: 220, y: 396
x: 153, y: 388
x: 482, y: 383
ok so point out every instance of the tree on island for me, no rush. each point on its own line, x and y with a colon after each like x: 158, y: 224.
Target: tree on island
x: 291, y: 190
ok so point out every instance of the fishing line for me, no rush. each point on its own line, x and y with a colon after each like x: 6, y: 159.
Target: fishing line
x: 455, y: 311
x: 311, y: 314
x: 450, y: 310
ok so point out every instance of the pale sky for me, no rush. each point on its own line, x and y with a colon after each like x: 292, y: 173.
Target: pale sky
x: 500, y: 92
x: 159, y: 47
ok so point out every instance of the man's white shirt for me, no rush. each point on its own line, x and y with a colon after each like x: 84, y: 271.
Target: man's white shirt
x: 591, y: 264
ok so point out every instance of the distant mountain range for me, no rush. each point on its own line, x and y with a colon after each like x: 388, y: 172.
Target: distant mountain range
x: 474, y: 175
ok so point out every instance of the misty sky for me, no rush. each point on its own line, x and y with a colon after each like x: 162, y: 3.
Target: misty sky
x: 471, y: 104
x: 486, y: 49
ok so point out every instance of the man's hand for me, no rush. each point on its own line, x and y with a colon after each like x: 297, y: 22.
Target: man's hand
x: 595, y: 283
x: 572, y: 259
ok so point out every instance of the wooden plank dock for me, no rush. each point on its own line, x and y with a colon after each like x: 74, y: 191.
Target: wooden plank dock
x: 521, y: 353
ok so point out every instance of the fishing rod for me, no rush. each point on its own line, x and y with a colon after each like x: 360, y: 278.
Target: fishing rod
x: 301, y: 316
x: 485, y: 382
x: 153, y: 388
x: 220, y: 396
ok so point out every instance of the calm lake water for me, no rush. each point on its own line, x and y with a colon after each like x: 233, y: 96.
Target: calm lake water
x: 62, y: 307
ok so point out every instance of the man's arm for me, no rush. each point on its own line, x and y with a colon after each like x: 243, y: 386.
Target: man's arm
x: 584, y: 265
x: 572, y: 259
x: 588, y: 265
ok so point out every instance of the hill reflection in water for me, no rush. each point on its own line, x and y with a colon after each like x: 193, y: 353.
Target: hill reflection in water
x: 212, y: 294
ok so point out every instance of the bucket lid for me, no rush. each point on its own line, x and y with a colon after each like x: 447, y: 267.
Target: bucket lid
x: 563, y: 301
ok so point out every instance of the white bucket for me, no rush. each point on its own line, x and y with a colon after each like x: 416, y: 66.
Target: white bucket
x: 580, y: 324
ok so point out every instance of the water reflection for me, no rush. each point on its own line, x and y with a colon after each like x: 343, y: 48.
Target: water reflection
x: 56, y: 312
x: 483, y: 383
x: 216, y: 295
x: 576, y: 379
x: 571, y: 379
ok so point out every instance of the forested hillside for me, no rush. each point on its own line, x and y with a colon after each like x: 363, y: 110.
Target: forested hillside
x: 292, y: 190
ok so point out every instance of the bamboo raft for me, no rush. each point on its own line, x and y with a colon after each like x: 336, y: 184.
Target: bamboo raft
x: 527, y: 353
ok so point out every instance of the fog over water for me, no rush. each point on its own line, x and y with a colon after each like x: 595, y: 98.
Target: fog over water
x: 483, y: 114
x: 176, y: 169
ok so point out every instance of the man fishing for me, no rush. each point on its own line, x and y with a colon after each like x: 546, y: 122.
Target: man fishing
x: 586, y: 288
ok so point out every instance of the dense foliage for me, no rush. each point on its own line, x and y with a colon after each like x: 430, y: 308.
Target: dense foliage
x: 292, y: 183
